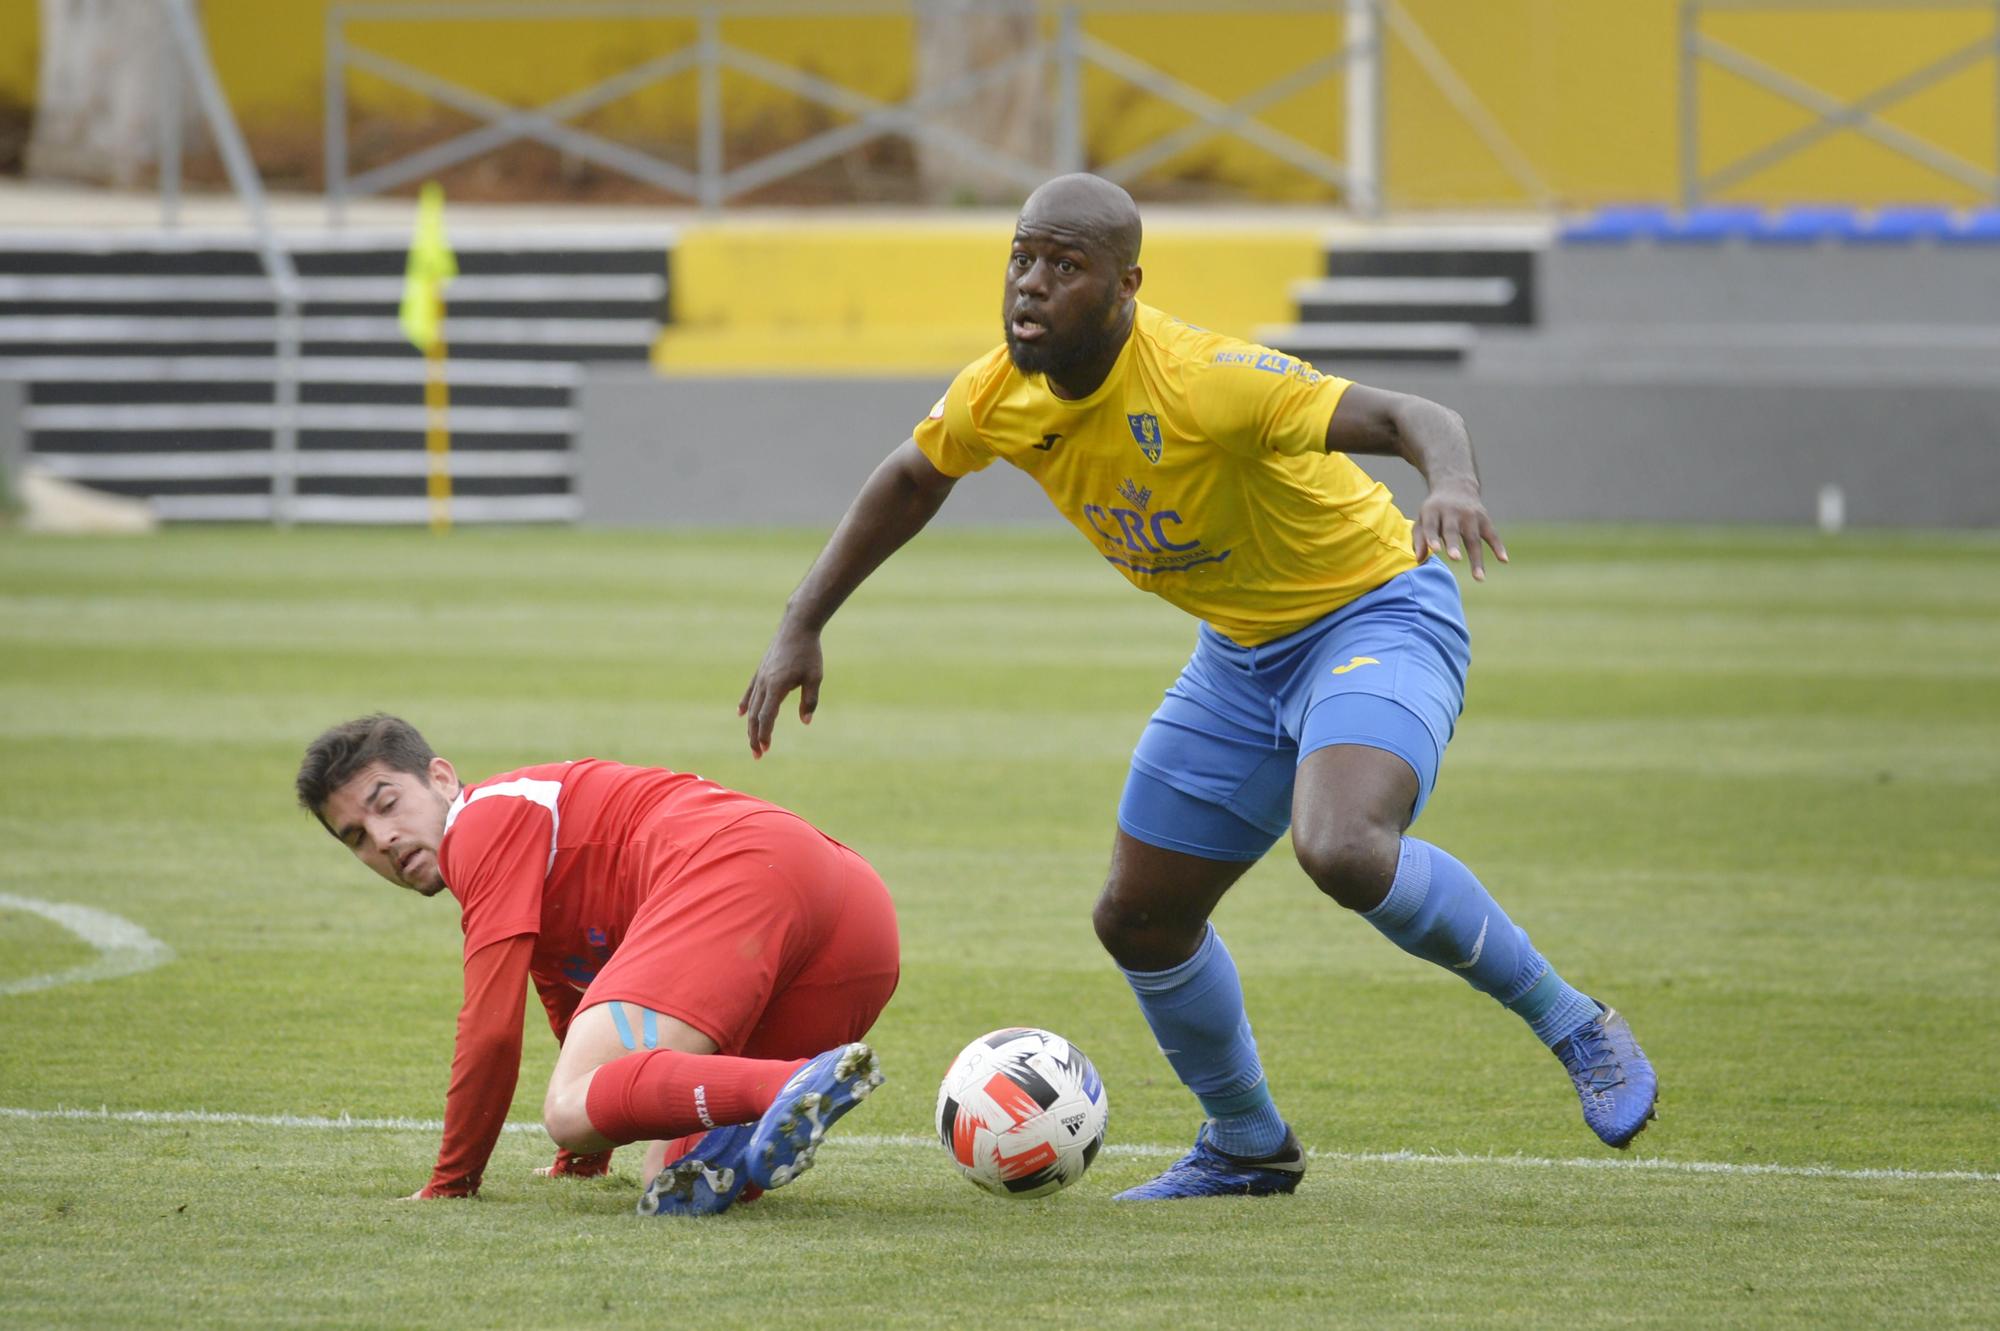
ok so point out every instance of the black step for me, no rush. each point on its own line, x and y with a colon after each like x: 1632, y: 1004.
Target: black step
x: 1442, y: 269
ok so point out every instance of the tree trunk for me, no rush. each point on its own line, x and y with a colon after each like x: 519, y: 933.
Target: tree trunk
x: 104, y: 91
x: 957, y: 39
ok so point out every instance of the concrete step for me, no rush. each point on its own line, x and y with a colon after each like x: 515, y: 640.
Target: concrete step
x: 1330, y: 345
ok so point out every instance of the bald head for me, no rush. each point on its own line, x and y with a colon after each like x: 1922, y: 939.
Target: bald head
x: 1072, y: 274
x: 1089, y: 210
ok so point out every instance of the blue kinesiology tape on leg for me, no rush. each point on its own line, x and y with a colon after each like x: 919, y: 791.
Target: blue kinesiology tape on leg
x: 623, y: 1026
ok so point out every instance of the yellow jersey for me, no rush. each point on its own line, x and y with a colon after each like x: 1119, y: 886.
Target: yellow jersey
x: 1198, y: 469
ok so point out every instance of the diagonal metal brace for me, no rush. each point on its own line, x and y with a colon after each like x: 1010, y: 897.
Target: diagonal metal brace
x: 1859, y: 115
x: 509, y: 123
x: 1233, y: 118
x: 877, y: 118
x: 1168, y: 88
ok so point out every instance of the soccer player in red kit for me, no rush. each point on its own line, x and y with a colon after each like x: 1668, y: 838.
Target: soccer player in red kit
x: 709, y: 961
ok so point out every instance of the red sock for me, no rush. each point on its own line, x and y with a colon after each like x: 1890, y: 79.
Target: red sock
x: 664, y: 1093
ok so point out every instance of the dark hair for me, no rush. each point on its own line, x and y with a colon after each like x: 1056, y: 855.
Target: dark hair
x: 332, y: 760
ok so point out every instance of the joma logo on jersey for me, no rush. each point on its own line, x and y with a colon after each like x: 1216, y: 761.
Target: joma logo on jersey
x: 1146, y: 432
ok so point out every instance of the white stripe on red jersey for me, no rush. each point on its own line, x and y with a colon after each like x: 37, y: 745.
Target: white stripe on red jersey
x: 543, y: 793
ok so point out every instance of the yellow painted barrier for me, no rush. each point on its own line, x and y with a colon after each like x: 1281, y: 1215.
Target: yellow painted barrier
x: 915, y: 296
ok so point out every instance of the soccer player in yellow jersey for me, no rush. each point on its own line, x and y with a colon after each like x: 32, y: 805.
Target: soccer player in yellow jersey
x: 1327, y: 675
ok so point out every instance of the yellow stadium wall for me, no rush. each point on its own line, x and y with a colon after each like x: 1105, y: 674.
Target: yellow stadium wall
x: 20, y: 47
x: 1587, y: 91
x: 785, y: 295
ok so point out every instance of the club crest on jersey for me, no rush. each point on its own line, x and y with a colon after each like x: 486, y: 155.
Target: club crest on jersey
x: 1146, y: 431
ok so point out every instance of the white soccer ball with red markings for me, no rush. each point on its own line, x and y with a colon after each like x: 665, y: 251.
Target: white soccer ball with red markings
x: 1022, y: 1112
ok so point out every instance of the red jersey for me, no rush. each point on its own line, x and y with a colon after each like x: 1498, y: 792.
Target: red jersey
x: 549, y: 864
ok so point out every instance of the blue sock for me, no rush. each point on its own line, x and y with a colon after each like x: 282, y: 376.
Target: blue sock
x: 1437, y: 910
x: 1196, y: 1012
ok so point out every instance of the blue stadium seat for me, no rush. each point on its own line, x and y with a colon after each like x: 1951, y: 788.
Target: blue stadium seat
x: 1619, y: 224
x: 1982, y: 227
x: 1714, y: 224
x: 1800, y: 224
x: 1907, y: 225
x: 1808, y: 224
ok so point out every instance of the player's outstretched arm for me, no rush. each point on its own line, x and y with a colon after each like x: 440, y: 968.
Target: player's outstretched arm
x: 486, y: 1062
x: 902, y: 495
x: 1432, y: 439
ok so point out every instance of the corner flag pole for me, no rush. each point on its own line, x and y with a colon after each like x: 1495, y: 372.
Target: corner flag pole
x: 431, y: 265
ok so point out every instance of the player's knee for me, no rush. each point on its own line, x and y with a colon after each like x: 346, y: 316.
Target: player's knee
x: 1114, y: 920
x: 1354, y: 865
x: 1137, y: 934
x: 568, y: 1125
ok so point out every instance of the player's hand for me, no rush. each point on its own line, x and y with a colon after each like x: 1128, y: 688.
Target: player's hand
x: 792, y: 661
x: 1453, y: 520
x: 569, y: 1165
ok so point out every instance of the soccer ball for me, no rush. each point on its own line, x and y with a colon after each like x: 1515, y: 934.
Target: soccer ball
x: 1022, y: 1112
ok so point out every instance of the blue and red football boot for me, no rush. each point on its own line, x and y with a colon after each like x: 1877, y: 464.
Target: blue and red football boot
x: 785, y: 1139
x: 707, y: 1180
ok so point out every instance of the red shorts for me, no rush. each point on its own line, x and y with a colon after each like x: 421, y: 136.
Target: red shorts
x: 772, y: 939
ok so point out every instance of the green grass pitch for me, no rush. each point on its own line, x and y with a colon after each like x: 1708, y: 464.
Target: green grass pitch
x: 1741, y: 784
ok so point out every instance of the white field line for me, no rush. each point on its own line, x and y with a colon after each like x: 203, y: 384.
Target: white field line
x: 123, y: 948
x: 865, y: 1141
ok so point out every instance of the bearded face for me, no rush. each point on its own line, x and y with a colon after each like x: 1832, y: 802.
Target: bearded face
x: 1061, y: 303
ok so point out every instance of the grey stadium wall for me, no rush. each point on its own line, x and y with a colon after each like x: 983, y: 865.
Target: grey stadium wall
x: 735, y: 452
x: 1665, y: 383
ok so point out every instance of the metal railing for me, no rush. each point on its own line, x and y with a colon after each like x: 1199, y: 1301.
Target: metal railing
x: 1831, y: 114
x: 1065, y: 50
x: 190, y: 59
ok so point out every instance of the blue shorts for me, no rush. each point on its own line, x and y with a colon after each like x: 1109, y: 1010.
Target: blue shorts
x: 1213, y: 773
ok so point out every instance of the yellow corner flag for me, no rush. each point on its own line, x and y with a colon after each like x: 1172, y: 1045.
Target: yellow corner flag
x: 431, y: 265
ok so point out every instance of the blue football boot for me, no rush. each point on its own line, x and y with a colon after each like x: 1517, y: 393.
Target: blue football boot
x: 706, y: 1180
x: 1612, y: 1076
x: 784, y: 1141
x: 1207, y: 1172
